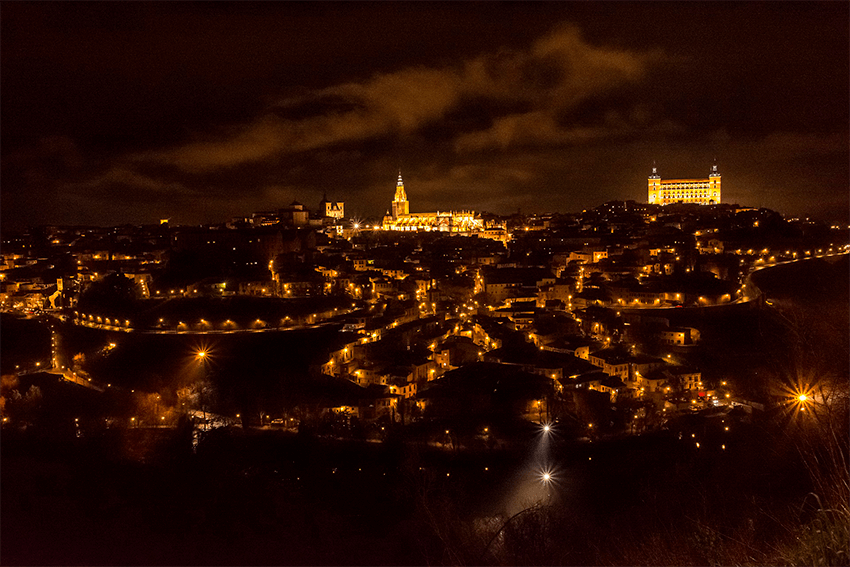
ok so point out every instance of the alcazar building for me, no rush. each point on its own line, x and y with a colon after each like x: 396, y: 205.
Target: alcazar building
x: 702, y: 191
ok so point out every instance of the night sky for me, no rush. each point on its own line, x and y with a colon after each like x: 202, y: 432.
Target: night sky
x: 128, y: 112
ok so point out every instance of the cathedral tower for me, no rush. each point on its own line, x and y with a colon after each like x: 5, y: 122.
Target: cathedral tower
x: 400, y: 204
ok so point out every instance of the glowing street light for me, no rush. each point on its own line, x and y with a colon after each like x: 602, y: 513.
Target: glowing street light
x: 801, y: 396
x: 546, y: 475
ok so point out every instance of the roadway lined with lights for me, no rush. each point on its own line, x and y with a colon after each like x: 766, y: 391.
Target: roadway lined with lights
x: 741, y: 300
x: 755, y: 269
x: 127, y: 329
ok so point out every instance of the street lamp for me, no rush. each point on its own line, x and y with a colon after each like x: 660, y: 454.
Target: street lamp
x: 546, y: 475
x: 802, y: 397
x: 201, y: 356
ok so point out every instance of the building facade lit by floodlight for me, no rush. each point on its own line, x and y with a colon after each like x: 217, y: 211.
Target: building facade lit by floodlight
x: 441, y: 221
x: 701, y: 191
x: 331, y: 209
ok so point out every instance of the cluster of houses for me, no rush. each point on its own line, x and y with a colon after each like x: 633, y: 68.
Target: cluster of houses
x: 570, y: 299
x: 400, y: 359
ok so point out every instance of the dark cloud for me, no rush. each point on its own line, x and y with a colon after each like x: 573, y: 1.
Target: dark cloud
x: 116, y: 113
x: 557, y: 72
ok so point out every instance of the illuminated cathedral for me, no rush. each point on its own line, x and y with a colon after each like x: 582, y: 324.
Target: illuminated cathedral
x: 704, y: 191
x: 442, y: 221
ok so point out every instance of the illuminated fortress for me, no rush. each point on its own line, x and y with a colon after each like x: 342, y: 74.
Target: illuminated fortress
x: 445, y: 221
x: 701, y: 191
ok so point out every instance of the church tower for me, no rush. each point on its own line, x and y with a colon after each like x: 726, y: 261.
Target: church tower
x: 400, y: 204
x: 331, y: 209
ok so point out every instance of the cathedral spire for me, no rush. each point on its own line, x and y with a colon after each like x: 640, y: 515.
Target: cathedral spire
x: 400, y: 204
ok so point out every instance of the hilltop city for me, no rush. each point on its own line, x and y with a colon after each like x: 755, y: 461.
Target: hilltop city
x: 362, y: 370
x: 617, y: 301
